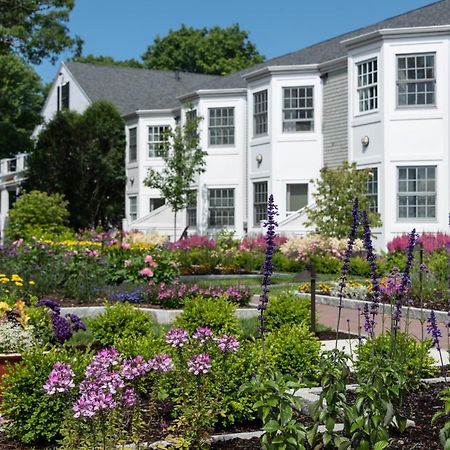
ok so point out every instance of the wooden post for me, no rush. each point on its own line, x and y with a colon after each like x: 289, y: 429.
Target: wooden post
x: 313, y: 300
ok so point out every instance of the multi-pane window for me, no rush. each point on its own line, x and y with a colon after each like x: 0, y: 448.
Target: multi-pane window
x: 260, y: 113
x: 156, y: 203
x: 221, y: 207
x: 372, y: 189
x: 296, y: 197
x: 298, y: 109
x: 416, y: 80
x: 65, y: 93
x: 157, y: 140
x: 132, y: 207
x: 191, y: 212
x: 221, y: 126
x: 132, y: 145
x: 260, y: 201
x: 368, y: 85
x: 417, y: 192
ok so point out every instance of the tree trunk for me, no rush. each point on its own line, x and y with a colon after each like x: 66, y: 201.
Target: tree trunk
x: 175, y: 227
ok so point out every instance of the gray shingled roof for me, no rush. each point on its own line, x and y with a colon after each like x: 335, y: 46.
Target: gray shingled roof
x: 131, y: 89
x: 433, y: 14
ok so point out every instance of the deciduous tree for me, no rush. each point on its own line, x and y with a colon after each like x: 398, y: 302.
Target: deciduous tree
x: 201, y: 50
x: 335, y: 192
x: 108, y: 61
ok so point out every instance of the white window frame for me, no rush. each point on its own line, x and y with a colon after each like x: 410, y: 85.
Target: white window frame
x: 372, y: 184
x: 367, y: 85
x: 132, y: 207
x: 221, y: 126
x: 260, y: 198
x: 298, y: 101
x: 290, y: 211
x: 421, y: 77
x: 191, y: 212
x: 412, y: 196
x: 157, y: 139
x: 227, y: 212
x: 132, y: 144
x: 151, y: 206
x: 260, y: 113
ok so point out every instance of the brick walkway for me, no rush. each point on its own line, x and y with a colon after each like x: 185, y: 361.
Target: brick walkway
x: 327, y: 315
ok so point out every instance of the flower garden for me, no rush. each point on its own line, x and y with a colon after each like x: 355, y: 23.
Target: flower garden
x: 125, y: 379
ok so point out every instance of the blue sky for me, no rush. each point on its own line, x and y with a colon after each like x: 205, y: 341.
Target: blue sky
x: 124, y: 29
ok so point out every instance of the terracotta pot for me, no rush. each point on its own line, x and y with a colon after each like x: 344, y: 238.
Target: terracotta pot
x: 6, y: 359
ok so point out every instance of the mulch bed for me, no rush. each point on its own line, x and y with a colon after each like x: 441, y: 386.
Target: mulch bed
x: 419, y: 407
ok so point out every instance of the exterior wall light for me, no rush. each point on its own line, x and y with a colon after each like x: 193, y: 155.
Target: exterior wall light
x: 131, y: 181
x: 365, y: 141
x: 259, y: 158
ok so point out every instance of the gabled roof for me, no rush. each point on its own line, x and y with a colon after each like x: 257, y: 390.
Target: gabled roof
x: 331, y: 49
x: 131, y: 89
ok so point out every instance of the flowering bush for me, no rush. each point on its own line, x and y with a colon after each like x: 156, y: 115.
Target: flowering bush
x: 258, y: 242
x: 430, y: 242
x: 194, y: 241
x: 14, y: 338
x: 175, y: 295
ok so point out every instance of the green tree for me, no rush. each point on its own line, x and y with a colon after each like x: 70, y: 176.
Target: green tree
x: 108, y: 61
x: 201, y: 50
x: 335, y: 192
x: 21, y: 97
x: 184, y: 159
x: 81, y: 156
x: 36, y: 29
x: 38, y: 214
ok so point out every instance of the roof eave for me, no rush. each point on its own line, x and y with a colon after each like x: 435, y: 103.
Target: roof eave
x: 377, y: 35
x: 269, y: 70
x: 150, y: 113
x: 212, y: 93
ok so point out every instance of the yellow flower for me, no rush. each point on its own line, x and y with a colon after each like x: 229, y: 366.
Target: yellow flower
x: 4, y: 280
x: 16, y: 277
x: 32, y: 283
x: 4, y: 307
x: 18, y: 283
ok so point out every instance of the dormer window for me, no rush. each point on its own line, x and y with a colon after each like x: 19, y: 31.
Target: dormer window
x: 416, y: 80
x: 368, y: 85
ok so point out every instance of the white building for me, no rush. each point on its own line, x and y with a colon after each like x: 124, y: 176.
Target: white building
x: 378, y: 96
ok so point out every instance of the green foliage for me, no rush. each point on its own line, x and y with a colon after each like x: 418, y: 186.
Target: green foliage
x: 293, y: 350
x: 326, y: 264
x: 35, y: 416
x: 183, y: 161
x: 211, y: 51
x: 120, y: 320
x: 287, y: 309
x: 36, y: 29
x: 444, y: 433
x: 107, y: 61
x: 411, y: 357
x: 38, y: 214
x: 147, y: 345
x: 283, y: 263
x: 360, y: 267
x: 334, y: 195
x: 277, y: 408
x: 217, y: 314
x: 21, y: 99
x: 81, y: 157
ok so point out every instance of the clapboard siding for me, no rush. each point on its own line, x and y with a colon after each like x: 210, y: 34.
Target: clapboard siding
x: 335, y: 119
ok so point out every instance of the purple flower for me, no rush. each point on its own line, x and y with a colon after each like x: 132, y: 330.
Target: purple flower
x: 161, y: 363
x: 129, y: 397
x: 433, y: 329
x: 267, y: 267
x: 177, y: 337
x: 77, y: 324
x: 228, y: 344
x: 203, y: 335
x: 135, y: 367
x: 54, y: 306
x: 60, y: 379
x: 61, y: 328
x: 199, y: 364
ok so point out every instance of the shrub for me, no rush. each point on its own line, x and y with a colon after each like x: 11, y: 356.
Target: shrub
x: 359, y: 267
x: 36, y: 417
x: 283, y: 263
x: 217, y: 314
x: 38, y: 214
x: 119, y: 321
x: 287, y: 309
x: 294, y: 351
x: 411, y: 357
x: 147, y: 345
x: 326, y: 264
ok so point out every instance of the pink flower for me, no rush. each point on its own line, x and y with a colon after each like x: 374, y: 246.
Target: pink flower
x: 146, y: 272
x: 126, y: 246
x: 149, y: 260
x: 127, y: 263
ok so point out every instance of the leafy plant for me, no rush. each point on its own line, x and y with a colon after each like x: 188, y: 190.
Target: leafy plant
x: 120, y: 320
x: 287, y: 308
x: 34, y: 416
x: 217, y: 314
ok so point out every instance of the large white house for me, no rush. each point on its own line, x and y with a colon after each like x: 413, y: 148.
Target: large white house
x: 378, y: 96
